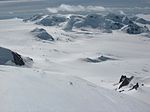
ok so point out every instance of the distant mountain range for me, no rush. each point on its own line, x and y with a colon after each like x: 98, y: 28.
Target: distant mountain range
x: 13, y: 8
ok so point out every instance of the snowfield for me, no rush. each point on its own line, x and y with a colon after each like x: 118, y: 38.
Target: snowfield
x: 33, y: 90
x: 74, y: 62
x: 59, y: 79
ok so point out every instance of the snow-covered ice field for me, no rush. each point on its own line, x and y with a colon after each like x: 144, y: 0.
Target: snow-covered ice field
x: 78, y: 71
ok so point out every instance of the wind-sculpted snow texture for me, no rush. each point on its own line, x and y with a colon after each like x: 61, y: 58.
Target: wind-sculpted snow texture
x: 73, y: 58
x: 71, y: 75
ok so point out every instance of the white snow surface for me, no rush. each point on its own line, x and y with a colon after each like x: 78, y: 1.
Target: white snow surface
x: 59, y: 81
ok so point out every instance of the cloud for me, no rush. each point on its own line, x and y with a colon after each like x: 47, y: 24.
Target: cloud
x: 75, y: 8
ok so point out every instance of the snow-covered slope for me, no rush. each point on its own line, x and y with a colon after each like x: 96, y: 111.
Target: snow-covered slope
x: 61, y: 79
x: 33, y: 90
x: 74, y: 56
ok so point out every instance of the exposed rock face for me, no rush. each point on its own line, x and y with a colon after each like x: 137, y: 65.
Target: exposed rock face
x: 18, y: 59
x: 106, y: 23
x: 126, y: 20
x: 115, y: 17
x: 42, y: 34
x: 125, y: 81
x: 135, y: 29
x: 5, y: 56
x: 52, y: 20
x: 98, y: 59
x: 142, y: 21
x: 34, y: 18
x: 128, y: 83
x: 8, y: 57
x: 94, y: 20
x: 122, y: 78
x: 73, y: 21
x: 136, y: 86
x: 110, y: 25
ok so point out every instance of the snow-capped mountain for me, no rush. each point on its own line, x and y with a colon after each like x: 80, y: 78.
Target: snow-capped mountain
x: 107, y: 23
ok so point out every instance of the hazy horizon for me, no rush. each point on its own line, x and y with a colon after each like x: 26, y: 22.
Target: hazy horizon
x: 12, y: 8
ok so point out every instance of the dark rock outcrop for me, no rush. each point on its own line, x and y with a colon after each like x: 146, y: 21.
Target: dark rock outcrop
x: 74, y: 21
x: 126, y: 21
x: 142, y: 21
x: 17, y: 59
x: 122, y: 78
x: 135, y: 29
x: 34, y: 18
x: 42, y: 34
x: 116, y: 26
x: 109, y: 22
x: 115, y: 17
x: 136, y: 86
x: 106, y: 23
x: 125, y: 81
x: 52, y: 20
x: 8, y: 57
x: 98, y: 59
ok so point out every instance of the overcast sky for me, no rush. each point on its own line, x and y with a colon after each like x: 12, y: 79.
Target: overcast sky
x: 11, y: 8
x: 100, y: 2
